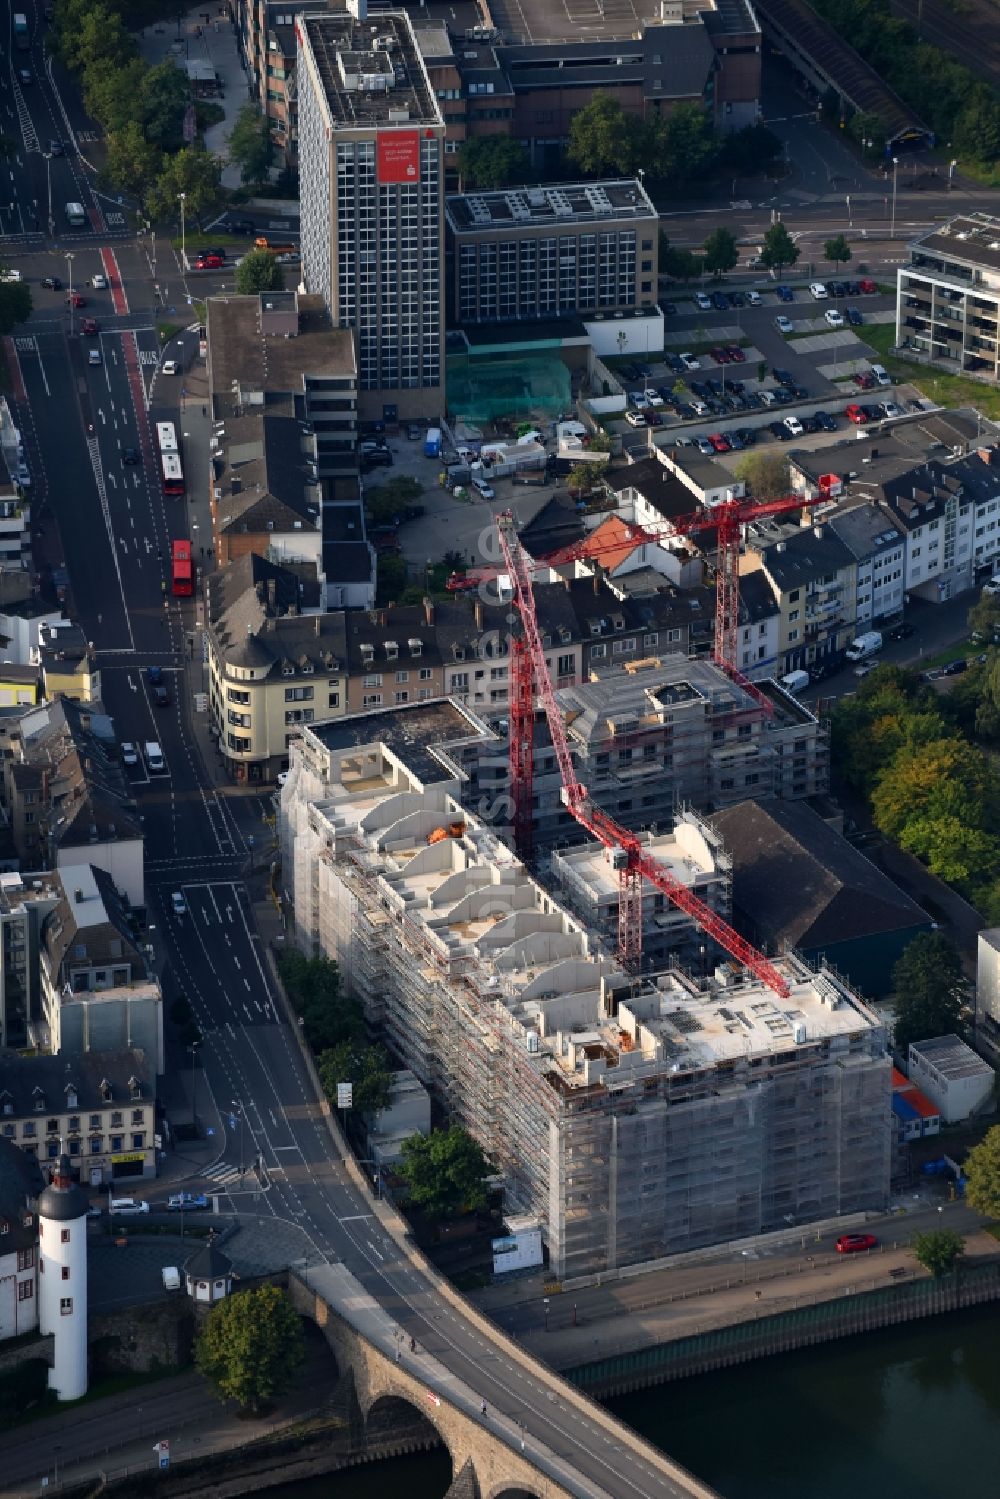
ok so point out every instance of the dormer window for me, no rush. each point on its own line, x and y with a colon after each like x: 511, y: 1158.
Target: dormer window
x: 134, y: 1088
x: 287, y: 669
x: 306, y: 667
x: 38, y: 1101
x: 105, y: 1090
x: 71, y: 1096
x: 595, y: 627
x: 391, y: 650
x: 618, y: 620
x: 565, y: 636
x: 459, y: 651
x: 7, y: 1102
x: 416, y: 647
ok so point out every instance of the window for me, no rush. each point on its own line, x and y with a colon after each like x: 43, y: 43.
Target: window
x: 95, y: 1121
x: 65, y: 1272
x: 402, y: 676
x: 25, y: 1258
x: 116, y: 1143
x: 138, y: 1142
x: 333, y: 701
x: 137, y: 1116
x: 28, y: 1129
x: 650, y: 640
x: 26, y: 1290
x: 117, y: 1119
x: 298, y: 694
x: 426, y: 673
x: 64, y: 1236
x: 371, y: 700
x: 374, y: 679
x: 66, y: 1306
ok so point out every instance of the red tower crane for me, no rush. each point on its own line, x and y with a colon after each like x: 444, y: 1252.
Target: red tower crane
x: 628, y: 856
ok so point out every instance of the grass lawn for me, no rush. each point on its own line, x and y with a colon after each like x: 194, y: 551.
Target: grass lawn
x: 944, y: 389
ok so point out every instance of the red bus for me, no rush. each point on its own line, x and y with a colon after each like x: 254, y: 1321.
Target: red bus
x: 171, y: 471
x: 181, y: 569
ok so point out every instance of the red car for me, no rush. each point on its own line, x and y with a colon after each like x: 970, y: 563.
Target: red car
x: 90, y: 326
x: 76, y: 300
x: 854, y: 1243
x: 856, y: 415
x: 209, y: 263
x: 721, y: 356
x: 653, y: 419
x: 863, y: 380
x: 868, y: 286
x: 719, y: 443
x: 736, y: 354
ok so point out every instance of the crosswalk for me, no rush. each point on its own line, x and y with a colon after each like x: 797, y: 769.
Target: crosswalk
x: 223, y: 1174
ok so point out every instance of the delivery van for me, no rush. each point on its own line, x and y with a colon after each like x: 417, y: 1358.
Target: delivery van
x: 795, y: 681
x: 155, y: 763
x: 866, y: 645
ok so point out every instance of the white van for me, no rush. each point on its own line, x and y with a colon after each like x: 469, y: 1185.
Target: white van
x: 795, y: 681
x: 127, y: 1207
x: 818, y: 290
x: 171, y: 1278
x: 155, y: 763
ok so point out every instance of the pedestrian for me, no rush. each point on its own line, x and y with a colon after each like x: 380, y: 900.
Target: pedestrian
x: 482, y: 1409
x: 398, y: 1355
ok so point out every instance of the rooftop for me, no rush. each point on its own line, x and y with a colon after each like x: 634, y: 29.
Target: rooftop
x: 545, y: 207
x: 89, y: 926
x: 970, y: 238
x: 261, y: 468
x: 34, y: 1085
x: 951, y: 1058
x: 69, y: 754
x: 417, y: 733
x: 239, y: 354
x: 371, y: 71
x: 256, y: 619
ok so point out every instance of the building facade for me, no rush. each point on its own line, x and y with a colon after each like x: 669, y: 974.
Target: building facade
x: 371, y: 164
x: 948, y: 296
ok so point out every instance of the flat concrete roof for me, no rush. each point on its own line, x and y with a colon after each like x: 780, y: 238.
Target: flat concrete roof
x: 371, y: 70
x: 548, y: 207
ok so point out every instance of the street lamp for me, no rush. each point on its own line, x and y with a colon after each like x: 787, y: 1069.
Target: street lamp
x: 237, y: 1109
x: 183, y: 197
x: 895, y: 165
x: 193, y: 1049
x: 69, y: 277
x: 951, y: 173
x: 850, y: 221
x: 48, y: 181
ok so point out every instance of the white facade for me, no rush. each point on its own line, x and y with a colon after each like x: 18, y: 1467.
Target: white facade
x: 18, y: 1301
x: 759, y: 644
x: 988, y: 976
x: 122, y: 858
x: 62, y: 1283
x: 954, y: 1077
x: 640, y: 334
x: 23, y: 635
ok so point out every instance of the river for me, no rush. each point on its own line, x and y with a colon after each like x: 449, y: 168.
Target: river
x: 909, y: 1413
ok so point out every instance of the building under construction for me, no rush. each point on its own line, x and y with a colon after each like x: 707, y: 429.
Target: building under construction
x: 634, y: 1116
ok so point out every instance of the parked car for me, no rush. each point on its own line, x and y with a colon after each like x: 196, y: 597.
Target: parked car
x: 704, y: 446
x: 637, y: 400
x: 170, y: 367
x: 186, y: 1202
x: 853, y: 1243
x: 882, y: 376
x: 635, y: 418
x: 865, y: 668
x: 853, y: 316
x: 784, y: 324
x: 669, y: 309
x: 834, y: 317
x: 793, y: 426
x: 719, y: 443
x: 863, y: 379
x: 736, y: 354
x: 900, y: 632
x: 837, y: 288
x: 653, y: 398
x: 129, y: 754
x: 486, y: 491
x: 702, y: 301
x: 818, y: 291
x: 867, y: 285
x: 785, y: 294
x: 826, y: 421
x: 721, y: 356
x: 754, y: 298
x: 955, y: 668
x: 690, y: 361
x: 780, y: 431
x: 178, y: 904
x: 855, y: 414
x: 652, y: 419
x: 720, y: 301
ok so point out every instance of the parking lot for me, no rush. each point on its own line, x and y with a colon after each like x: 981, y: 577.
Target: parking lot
x: 765, y: 365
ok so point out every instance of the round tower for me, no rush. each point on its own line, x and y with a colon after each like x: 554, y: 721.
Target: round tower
x: 62, y: 1279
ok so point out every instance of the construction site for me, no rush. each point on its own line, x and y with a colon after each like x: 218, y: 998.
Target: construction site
x: 633, y: 1115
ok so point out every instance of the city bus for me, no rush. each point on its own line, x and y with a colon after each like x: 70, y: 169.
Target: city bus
x: 181, y: 569
x: 22, y: 36
x: 171, y: 469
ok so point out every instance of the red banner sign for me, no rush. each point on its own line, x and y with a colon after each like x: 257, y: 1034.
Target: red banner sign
x: 398, y: 156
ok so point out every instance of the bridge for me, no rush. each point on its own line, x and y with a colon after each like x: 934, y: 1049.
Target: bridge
x: 572, y: 1447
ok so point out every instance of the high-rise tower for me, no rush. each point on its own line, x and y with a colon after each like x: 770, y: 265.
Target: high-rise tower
x: 62, y: 1279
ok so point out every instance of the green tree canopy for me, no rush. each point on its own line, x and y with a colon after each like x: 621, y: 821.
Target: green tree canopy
x: 939, y: 1250
x: 766, y: 475
x: 164, y: 101
x: 984, y: 616
x: 493, y: 161
x: 250, y: 146
x: 445, y: 1171
x: 678, y: 264
x: 251, y: 1347
x: 112, y: 90
x: 604, y: 139
x: 779, y: 249
x: 15, y: 304
x: 313, y: 986
x: 193, y: 172
x: 680, y: 146
x: 387, y: 502
x: 258, y: 271
x: 131, y: 163
x: 751, y: 149
x: 390, y: 584
x: 929, y: 990
x: 721, y: 254
x: 366, y: 1067
x: 982, y: 1171
x: 837, y: 250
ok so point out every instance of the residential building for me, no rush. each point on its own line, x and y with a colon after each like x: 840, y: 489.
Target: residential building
x: 878, y: 545
x: 633, y: 1118
x: 759, y: 634
x: 68, y: 663
x: 66, y: 796
x: 829, y: 903
x: 579, y: 249
x: 948, y: 295
x: 371, y: 168
x: 813, y: 576
x: 20, y: 1187
x: 100, y: 1108
x: 708, y: 481
x: 953, y: 1076
x: 25, y: 904
x: 22, y: 626
x: 988, y: 982
x: 265, y: 35
x: 275, y: 662
x: 20, y: 686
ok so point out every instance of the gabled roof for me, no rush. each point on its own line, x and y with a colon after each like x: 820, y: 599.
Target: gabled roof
x: 89, y: 926
x: 71, y: 751
x: 38, y: 1085
x: 804, y: 554
x: 798, y: 883
x: 658, y: 487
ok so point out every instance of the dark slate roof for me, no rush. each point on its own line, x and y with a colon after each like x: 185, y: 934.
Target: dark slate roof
x: 208, y: 1263
x: 757, y: 600
x: 63, y: 1200
x: 26, y: 1081
x: 557, y: 524
x: 92, y: 930
x: 801, y: 555
x: 866, y: 529
x: 657, y: 485
x: 21, y: 1182
x: 798, y: 883
x: 254, y: 610
x: 60, y: 747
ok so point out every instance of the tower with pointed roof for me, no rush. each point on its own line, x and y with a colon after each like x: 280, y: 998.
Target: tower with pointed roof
x: 62, y: 1279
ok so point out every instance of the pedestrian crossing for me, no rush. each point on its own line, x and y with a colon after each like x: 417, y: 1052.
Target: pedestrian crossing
x: 223, y: 1174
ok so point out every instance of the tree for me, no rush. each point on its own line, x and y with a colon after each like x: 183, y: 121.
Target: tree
x: 250, y: 145
x: 583, y: 477
x: 112, y: 92
x: 778, y: 249
x: 680, y: 146
x: 751, y: 149
x: 678, y: 264
x: 164, y: 101
x: 251, y: 1347
x: 15, y: 304
x: 390, y: 583
x: 367, y: 1067
x: 604, y: 139
x: 193, y: 172
x: 445, y: 1171
x: 721, y: 254
x: 982, y: 1173
x: 984, y: 616
x: 493, y: 161
x: 313, y: 986
x: 938, y: 1250
x: 767, y: 475
x: 258, y: 271
x: 387, y: 503
x: 837, y: 250
x: 131, y: 163
x: 929, y: 990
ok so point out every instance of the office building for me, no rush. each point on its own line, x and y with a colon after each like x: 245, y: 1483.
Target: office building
x: 579, y: 249
x: 633, y: 1118
x: 953, y: 1076
x: 371, y: 167
x: 948, y: 296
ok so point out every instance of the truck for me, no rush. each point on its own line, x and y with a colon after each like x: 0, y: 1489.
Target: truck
x: 22, y: 36
x: 796, y: 681
x: 864, y: 646
x: 432, y: 443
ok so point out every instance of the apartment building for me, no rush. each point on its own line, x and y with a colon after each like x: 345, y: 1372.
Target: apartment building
x: 813, y: 576
x: 633, y: 1117
x: 878, y: 544
x: 68, y: 662
x: 21, y: 1184
x: 99, y: 1109
x: 948, y: 296
x: 265, y: 36
x: 371, y: 168
x: 275, y: 662
x: 580, y: 249
x: 66, y: 796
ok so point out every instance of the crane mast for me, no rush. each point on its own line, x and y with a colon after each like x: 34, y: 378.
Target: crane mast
x: 632, y: 862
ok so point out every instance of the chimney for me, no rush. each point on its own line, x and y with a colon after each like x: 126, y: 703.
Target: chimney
x: 272, y: 592
x: 428, y: 610
x: 818, y: 531
x: 477, y: 612
x: 383, y: 616
x: 319, y: 618
x: 78, y: 896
